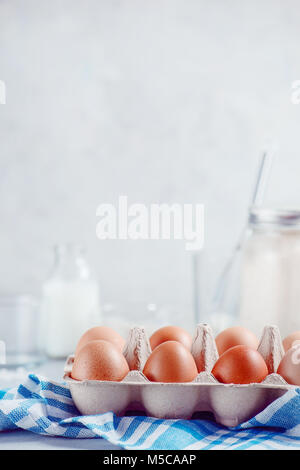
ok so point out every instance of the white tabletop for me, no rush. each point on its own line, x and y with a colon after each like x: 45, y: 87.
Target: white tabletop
x: 25, y: 440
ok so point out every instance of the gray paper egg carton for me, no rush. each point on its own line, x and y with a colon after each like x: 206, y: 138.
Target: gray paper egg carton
x: 230, y: 404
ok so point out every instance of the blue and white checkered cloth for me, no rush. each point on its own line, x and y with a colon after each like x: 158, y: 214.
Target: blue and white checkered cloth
x: 45, y: 407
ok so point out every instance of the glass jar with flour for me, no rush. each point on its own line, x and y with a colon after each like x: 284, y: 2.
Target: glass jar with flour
x: 270, y: 270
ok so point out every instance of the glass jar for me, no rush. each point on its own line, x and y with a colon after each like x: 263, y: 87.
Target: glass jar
x: 70, y: 302
x: 270, y: 271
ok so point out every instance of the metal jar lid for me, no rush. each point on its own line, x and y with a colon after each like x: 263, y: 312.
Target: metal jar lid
x: 277, y: 218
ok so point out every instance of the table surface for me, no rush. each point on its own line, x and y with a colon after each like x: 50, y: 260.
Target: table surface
x: 24, y: 440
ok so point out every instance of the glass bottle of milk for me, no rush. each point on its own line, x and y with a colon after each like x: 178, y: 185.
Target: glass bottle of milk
x: 70, y: 302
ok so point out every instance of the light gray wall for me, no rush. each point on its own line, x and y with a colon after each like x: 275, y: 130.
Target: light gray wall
x: 164, y: 101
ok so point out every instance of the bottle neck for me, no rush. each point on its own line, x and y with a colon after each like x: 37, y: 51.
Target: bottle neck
x: 70, y: 263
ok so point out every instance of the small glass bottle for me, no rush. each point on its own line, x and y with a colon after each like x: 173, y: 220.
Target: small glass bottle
x: 70, y: 302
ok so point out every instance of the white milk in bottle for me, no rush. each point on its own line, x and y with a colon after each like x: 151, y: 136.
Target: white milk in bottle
x: 70, y: 302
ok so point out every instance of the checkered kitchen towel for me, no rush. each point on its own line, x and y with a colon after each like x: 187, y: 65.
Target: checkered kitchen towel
x: 45, y: 407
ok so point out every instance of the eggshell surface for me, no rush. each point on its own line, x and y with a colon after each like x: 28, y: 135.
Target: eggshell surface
x: 99, y: 360
x: 170, y: 362
x: 236, y: 336
x: 289, y: 368
x: 101, y: 332
x: 290, y: 340
x: 171, y: 333
x: 240, y: 365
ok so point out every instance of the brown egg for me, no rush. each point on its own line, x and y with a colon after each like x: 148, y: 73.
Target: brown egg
x: 289, y: 367
x: 240, y: 365
x: 290, y: 339
x: 235, y: 336
x: 101, y: 332
x: 99, y: 360
x: 171, y: 333
x: 170, y: 362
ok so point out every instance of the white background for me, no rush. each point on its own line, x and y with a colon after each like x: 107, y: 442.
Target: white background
x: 163, y: 101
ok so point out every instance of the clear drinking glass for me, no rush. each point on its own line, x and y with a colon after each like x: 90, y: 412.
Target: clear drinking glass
x: 19, y: 327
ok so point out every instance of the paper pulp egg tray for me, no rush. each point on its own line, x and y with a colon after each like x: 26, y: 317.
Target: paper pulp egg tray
x: 230, y: 404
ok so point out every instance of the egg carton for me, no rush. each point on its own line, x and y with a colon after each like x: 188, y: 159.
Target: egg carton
x: 230, y: 404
